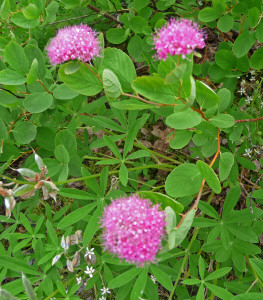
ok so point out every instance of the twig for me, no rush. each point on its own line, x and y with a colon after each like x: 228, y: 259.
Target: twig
x: 11, y: 93
x: 249, y: 120
x: 148, y: 102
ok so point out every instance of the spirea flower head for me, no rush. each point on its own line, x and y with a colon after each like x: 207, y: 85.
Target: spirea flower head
x: 76, y: 42
x: 178, y: 37
x: 133, y: 229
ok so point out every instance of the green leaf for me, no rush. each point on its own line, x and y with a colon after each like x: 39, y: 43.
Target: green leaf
x: 253, y: 16
x: 93, y: 226
x: 111, y: 85
x: 175, y: 74
x: 258, y: 194
x: 75, y: 194
x: 208, y: 210
x: 225, y: 23
x: 33, y: 72
x: 139, y: 285
x: 135, y: 46
x: 62, y: 92
x: 224, y: 99
x: 10, y: 77
x: 138, y: 154
x: 225, y: 165
x: 205, y: 96
x: 62, y: 154
x: 123, y: 174
x: 51, y: 11
x: 17, y: 265
x: 29, y: 289
x: 31, y: 12
x: 219, y: 292
x: 256, y: 59
x: 3, y: 131
x: 243, y: 43
x: 137, y: 23
x: 181, y: 232
x: 231, y: 200
x: 183, y: 119
x: 16, y: 58
x: 218, y: 273
x: 120, y: 63
x: 33, y: 52
x: 223, y: 121
x: 257, y: 265
x: 201, y: 267
x: 170, y: 219
x: 124, y: 278
x: 208, y: 14
x: 83, y: 81
x: 184, y: 180
x: 191, y: 281
x: 24, y: 132
x: 225, y: 59
x: 248, y: 296
x: 117, y: 35
x: 162, y: 199
x: 38, y: 102
x: 154, y: 89
x: 180, y: 139
x: 210, y: 176
x: 162, y: 277
x: 20, y: 20
x: 76, y: 215
x: 68, y: 140
x: 132, y: 133
x: 259, y: 32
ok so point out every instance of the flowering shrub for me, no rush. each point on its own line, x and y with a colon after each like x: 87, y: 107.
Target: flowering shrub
x: 131, y: 149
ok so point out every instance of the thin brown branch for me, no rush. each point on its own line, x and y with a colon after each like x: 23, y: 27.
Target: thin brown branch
x: 44, y: 87
x: 249, y: 120
x: 12, y: 93
x: 148, y: 102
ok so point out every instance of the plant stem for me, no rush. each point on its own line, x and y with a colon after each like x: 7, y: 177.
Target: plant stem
x: 159, y: 166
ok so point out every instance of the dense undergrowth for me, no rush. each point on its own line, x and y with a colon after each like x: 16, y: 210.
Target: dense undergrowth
x: 133, y: 103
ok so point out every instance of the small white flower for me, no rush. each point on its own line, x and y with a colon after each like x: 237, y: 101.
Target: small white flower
x: 104, y: 291
x: 257, y: 151
x: 89, y: 271
x: 242, y: 91
x: 243, y: 82
x: 79, y: 280
x: 89, y: 253
x: 253, y: 72
x: 103, y: 298
x: 249, y: 99
x: 252, y: 78
x: 248, y: 152
x: 153, y: 278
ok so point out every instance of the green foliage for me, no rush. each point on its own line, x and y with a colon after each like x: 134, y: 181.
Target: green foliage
x: 175, y: 132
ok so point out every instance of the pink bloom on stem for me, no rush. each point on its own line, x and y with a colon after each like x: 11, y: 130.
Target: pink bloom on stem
x: 178, y: 37
x: 76, y: 42
x: 133, y: 229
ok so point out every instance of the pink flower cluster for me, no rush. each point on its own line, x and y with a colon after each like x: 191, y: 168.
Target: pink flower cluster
x: 133, y: 229
x: 178, y: 37
x: 76, y: 42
